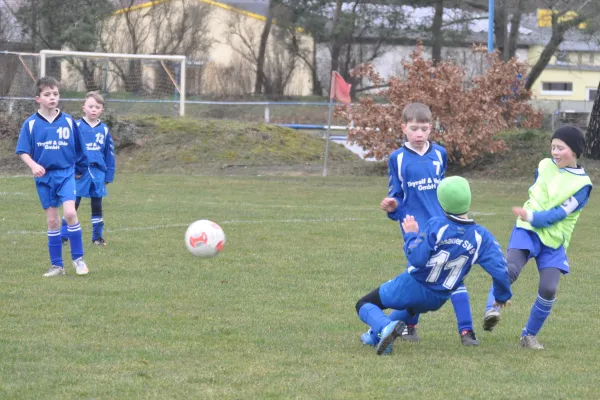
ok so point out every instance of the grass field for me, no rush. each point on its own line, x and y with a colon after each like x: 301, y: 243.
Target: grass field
x: 273, y: 316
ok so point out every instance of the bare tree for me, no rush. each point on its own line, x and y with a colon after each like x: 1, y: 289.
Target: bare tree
x: 172, y: 27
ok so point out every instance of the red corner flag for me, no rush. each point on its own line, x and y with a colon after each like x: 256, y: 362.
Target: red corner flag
x: 340, y: 90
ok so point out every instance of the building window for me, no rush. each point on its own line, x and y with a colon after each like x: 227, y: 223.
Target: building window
x: 591, y: 94
x: 557, y: 88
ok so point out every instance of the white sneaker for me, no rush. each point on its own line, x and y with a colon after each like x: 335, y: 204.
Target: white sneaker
x: 490, y: 319
x: 55, y: 270
x: 80, y: 267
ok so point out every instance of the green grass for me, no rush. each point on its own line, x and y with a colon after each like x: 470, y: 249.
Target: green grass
x: 273, y: 316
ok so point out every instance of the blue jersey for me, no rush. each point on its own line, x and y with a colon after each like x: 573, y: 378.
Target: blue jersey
x: 53, y: 145
x: 442, y: 254
x: 100, y: 148
x: 413, y: 181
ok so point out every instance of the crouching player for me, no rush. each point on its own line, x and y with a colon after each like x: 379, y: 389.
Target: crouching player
x: 439, y: 258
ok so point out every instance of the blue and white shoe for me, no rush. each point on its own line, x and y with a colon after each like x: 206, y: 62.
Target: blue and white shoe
x: 392, y: 331
x: 369, y: 338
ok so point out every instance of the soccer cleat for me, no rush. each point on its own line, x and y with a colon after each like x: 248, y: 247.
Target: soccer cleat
x: 468, y: 338
x: 99, y: 242
x: 80, y: 267
x: 490, y: 319
x: 531, y: 342
x: 410, y: 334
x: 388, y: 335
x: 55, y: 270
x: 369, y: 338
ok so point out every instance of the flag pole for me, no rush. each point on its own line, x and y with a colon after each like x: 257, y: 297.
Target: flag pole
x: 329, y: 117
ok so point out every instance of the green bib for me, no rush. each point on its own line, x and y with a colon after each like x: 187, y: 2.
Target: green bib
x: 551, y: 189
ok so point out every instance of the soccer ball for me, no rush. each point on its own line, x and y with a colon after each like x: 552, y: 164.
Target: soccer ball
x: 204, y: 238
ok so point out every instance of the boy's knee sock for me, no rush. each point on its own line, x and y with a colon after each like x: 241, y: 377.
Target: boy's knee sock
x: 97, y: 226
x: 55, y: 248
x: 76, y: 240
x: 539, y: 312
x: 373, y: 316
x: 64, y: 233
x: 403, y: 315
x: 462, y: 309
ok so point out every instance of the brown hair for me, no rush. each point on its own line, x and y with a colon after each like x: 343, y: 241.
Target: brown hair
x: 45, y: 82
x: 96, y: 96
x: 417, y: 112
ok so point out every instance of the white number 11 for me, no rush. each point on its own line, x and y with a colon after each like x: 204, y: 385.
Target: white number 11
x: 440, y: 262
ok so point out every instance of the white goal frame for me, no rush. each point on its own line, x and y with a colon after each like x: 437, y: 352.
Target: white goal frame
x: 155, y: 57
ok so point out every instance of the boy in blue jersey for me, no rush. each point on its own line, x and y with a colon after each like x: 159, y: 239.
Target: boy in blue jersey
x: 101, y: 170
x: 50, y: 144
x: 439, y: 259
x: 544, y: 227
x: 414, y: 171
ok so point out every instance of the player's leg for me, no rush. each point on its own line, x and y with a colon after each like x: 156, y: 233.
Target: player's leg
x: 97, y: 222
x: 516, y: 260
x: 64, y: 233
x: 546, y: 296
x: 464, y: 318
x: 67, y: 196
x: 54, y: 243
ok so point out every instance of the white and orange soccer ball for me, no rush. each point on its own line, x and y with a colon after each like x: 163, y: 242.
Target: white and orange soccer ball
x: 204, y: 238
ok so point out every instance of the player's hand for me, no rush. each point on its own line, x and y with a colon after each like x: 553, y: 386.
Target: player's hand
x: 38, y: 171
x: 389, y: 204
x: 502, y: 305
x: 410, y: 225
x: 520, y: 212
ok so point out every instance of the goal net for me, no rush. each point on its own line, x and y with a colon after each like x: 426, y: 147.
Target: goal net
x: 131, y: 83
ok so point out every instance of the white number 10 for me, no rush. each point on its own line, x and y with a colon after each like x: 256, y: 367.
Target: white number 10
x: 440, y: 262
x: 63, y: 133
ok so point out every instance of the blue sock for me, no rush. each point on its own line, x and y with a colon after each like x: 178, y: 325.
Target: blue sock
x: 76, y: 240
x: 373, y: 316
x: 403, y: 315
x: 462, y: 309
x: 490, y: 299
x: 55, y: 248
x: 64, y: 233
x: 97, y: 226
x: 539, y: 312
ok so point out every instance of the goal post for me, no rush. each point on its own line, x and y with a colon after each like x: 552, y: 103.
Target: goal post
x: 121, y: 73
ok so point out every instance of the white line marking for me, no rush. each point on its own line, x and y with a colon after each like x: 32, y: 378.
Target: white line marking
x: 230, y: 222
x: 12, y: 194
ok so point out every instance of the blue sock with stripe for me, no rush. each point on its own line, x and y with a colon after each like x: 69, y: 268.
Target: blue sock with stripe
x: 539, y: 312
x: 76, y: 240
x: 97, y: 226
x: 462, y: 309
x: 55, y: 248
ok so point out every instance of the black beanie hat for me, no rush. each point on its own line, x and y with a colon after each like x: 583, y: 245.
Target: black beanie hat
x: 572, y: 136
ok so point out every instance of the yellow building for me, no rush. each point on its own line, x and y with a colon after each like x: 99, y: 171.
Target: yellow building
x: 573, y: 73
x: 226, y: 66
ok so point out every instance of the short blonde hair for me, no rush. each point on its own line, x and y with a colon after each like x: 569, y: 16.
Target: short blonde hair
x: 417, y: 112
x: 96, y: 96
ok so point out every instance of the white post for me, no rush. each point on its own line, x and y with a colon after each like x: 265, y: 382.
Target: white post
x: 267, y: 114
x: 329, y: 118
x: 182, y: 89
x: 42, y: 64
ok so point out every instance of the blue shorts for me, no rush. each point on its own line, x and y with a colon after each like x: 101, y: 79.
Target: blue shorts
x: 545, y: 257
x: 405, y: 293
x: 56, y: 187
x: 91, y: 183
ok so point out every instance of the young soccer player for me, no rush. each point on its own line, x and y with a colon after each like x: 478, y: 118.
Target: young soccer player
x: 50, y: 144
x: 101, y: 171
x: 414, y: 172
x: 439, y: 258
x: 544, y: 227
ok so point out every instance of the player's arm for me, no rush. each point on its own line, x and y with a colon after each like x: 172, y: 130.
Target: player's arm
x: 109, y: 158
x: 491, y: 259
x: 418, y: 247
x: 395, y: 191
x: 82, y: 162
x: 25, y: 150
x: 544, y: 219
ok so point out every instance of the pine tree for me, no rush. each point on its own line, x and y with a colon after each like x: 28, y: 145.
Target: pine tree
x: 592, y: 145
